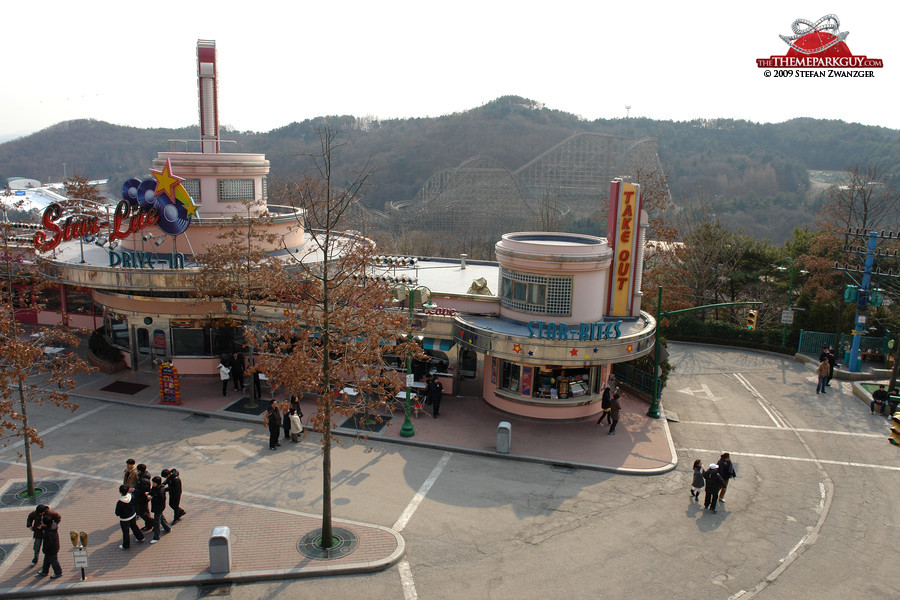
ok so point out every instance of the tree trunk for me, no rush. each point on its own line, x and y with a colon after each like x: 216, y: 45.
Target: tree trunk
x: 29, y: 474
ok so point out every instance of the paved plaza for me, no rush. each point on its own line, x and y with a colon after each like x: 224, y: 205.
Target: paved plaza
x: 443, y: 515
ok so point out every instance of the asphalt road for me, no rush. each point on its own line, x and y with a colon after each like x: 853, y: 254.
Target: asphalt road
x: 811, y: 514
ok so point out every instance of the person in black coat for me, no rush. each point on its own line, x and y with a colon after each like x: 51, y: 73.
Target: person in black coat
x: 435, y: 391
x: 238, y: 366
x: 35, y: 523
x: 158, y: 505
x: 127, y: 518
x: 172, y: 479
x: 273, y: 421
x: 714, y: 483
x: 141, y: 497
x: 50, y: 547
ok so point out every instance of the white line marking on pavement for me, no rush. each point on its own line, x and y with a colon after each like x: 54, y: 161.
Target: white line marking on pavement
x: 822, y: 431
x: 420, y: 495
x: 197, y: 451
x: 798, y: 459
x: 406, y: 578
x: 763, y: 403
x: 59, y: 425
x: 406, y: 581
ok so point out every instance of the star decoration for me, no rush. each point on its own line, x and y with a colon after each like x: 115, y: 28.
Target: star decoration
x: 517, y: 348
x: 573, y: 352
x: 165, y: 181
x: 287, y: 312
x: 530, y: 353
x: 182, y: 196
x: 596, y: 350
x: 629, y: 348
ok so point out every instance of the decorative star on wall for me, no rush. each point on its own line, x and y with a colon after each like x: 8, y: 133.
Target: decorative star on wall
x: 573, y: 352
x: 629, y: 348
x: 596, y: 350
x: 166, y: 182
x: 530, y: 353
x: 517, y: 348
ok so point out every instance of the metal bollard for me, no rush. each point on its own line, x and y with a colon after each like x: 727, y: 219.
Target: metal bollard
x: 220, y: 550
x: 504, y: 437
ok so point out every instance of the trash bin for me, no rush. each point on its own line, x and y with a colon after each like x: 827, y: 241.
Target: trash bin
x: 220, y: 550
x: 504, y: 433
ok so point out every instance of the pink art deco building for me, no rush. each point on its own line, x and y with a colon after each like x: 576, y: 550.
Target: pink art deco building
x: 535, y: 333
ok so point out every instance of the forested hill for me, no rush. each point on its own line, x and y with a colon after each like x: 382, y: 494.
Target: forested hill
x: 749, y: 172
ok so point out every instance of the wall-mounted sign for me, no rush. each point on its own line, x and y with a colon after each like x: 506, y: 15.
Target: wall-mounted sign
x: 625, y: 212
x: 441, y: 311
x: 161, y: 201
x: 145, y: 260
x: 600, y: 330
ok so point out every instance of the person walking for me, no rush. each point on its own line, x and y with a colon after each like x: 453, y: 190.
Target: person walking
x: 822, y: 371
x: 714, y: 483
x: 172, y: 479
x: 296, y: 426
x: 614, y: 409
x: 50, y: 545
x: 224, y: 375
x: 127, y: 518
x: 286, y: 425
x: 130, y: 477
x: 697, y: 482
x: 142, y: 496
x: 35, y: 522
x: 727, y: 472
x: 273, y: 421
x: 435, y: 391
x: 832, y: 363
x: 604, y: 404
x: 158, y: 505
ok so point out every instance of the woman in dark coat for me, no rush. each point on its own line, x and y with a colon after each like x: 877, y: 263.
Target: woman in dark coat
x: 614, y: 409
x: 726, y: 470
x: 273, y: 422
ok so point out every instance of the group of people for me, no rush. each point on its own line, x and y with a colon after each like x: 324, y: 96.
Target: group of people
x: 887, y: 401
x: 825, y: 370
x: 142, y: 495
x: 714, y: 480
x: 287, y: 420
x: 610, y: 405
x: 232, y: 368
x: 44, y: 524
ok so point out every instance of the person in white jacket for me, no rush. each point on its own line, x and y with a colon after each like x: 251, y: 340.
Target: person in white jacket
x: 296, y: 426
x: 224, y: 375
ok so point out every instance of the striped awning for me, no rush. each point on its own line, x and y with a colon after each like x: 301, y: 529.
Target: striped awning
x: 437, y: 344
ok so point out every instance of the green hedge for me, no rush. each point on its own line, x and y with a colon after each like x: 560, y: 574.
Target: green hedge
x: 690, y: 329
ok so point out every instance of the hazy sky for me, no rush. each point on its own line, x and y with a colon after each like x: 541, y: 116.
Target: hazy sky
x: 134, y: 63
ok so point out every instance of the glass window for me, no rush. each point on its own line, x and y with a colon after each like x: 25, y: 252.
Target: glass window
x: 509, y: 376
x: 236, y: 190
x: 189, y: 342
x: 78, y: 300
x: 118, y: 328
x: 192, y: 187
x: 226, y: 340
x: 50, y: 299
x: 536, y: 294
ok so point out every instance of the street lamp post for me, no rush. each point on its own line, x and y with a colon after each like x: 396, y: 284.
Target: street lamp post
x: 407, y: 430
x: 790, y: 293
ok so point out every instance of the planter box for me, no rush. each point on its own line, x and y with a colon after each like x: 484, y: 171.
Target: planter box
x: 105, y: 367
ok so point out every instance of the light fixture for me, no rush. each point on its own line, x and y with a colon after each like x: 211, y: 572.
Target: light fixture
x: 159, y: 241
x: 113, y: 244
x: 147, y: 236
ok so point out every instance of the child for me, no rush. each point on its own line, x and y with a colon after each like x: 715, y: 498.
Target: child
x: 697, y: 484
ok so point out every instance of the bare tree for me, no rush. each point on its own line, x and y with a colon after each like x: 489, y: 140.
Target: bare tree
x: 866, y: 201
x: 335, y: 330
x: 36, y: 365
